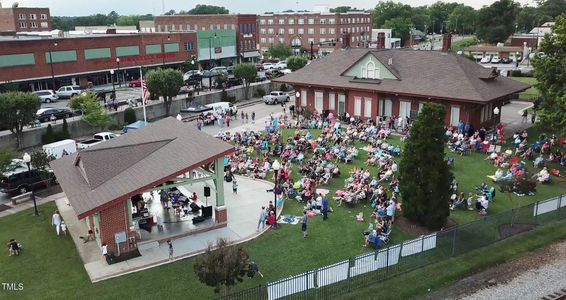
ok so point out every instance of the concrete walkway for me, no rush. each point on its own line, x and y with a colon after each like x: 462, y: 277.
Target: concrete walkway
x: 28, y: 204
x: 243, y: 212
x: 512, y: 117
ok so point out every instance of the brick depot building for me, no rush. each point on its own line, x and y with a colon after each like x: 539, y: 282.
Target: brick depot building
x: 102, y: 182
x: 24, y: 19
x: 299, y: 29
x: 243, y: 24
x: 79, y: 60
x: 370, y: 83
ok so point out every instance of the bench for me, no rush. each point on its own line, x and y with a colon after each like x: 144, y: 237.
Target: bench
x: 21, y: 198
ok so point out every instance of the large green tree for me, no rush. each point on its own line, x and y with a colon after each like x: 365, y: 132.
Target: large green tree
x: 530, y: 17
x: 93, y: 112
x: 6, y: 157
x: 386, y: 10
x: 165, y: 83
x: 296, y: 62
x: 462, y: 19
x: 495, y: 23
x: 203, y: 9
x: 248, y: 73
x: 17, y: 109
x: 425, y: 175
x: 223, y: 266
x: 280, y: 50
x: 550, y: 72
x: 439, y: 13
x: 552, y: 8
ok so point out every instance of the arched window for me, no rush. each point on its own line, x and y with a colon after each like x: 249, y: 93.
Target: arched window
x: 370, y: 70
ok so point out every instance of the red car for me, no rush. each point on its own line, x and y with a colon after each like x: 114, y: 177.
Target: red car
x: 135, y: 83
x: 259, y: 67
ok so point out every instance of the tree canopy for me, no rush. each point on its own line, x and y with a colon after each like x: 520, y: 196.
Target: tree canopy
x: 69, y: 23
x: 425, y: 175
x: 280, y: 50
x: 495, y: 23
x: 6, y: 157
x: 165, y: 83
x: 344, y: 9
x: 203, y: 9
x: 550, y: 72
x: 296, y: 62
x: 94, y: 113
x: 248, y: 73
x: 17, y: 110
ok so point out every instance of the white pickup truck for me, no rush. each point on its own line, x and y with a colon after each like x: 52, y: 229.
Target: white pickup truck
x: 276, y: 97
x: 96, y: 139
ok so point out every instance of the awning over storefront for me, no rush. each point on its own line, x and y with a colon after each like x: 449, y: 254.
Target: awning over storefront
x: 250, y: 54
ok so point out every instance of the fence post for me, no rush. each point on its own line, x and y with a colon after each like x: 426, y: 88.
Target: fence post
x: 349, y: 275
x: 258, y: 294
x: 536, y: 212
x: 387, y: 262
x: 422, y: 244
x: 306, y: 292
x: 558, y: 207
x: 454, y: 241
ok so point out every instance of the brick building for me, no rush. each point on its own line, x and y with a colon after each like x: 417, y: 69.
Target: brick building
x: 373, y: 83
x: 300, y: 29
x: 243, y: 24
x: 84, y: 59
x: 24, y: 19
x: 108, y: 197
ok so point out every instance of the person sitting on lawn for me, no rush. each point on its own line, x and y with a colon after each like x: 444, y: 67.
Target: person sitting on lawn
x: 543, y: 176
x: 14, y: 247
x: 498, y: 175
x: 539, y: 162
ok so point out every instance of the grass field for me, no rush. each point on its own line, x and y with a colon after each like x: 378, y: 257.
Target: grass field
x: 50, y: 267
x: 532, y: 92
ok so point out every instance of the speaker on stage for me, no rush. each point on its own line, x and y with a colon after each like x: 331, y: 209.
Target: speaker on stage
x: 207, y: 191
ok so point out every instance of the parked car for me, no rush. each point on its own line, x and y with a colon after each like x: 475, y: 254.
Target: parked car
x: 135, y: 83
x: 44, y: 114
x: 506, y: 60
x: 60, y: 148
x: 486, y: 60
x: 20, y: 180
x: 219, y: 108
x: 268, y: 66
x: 259, y: 67
x: 495, y: 59
x: 96, y: 139
x: 190, y: 74
x: 47, y: 96
x: 233, y: 81
x: 286, y: 71
x: 230, y: 69
x: 217, y: 70
x: 281, y: 65
x: 478, y: 56
x: 276, y: 97
x: 260, y: 77
x: 69, y: 91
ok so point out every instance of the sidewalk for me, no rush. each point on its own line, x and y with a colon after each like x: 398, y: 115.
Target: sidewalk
x: 243, y: 212
x: 28, y: 204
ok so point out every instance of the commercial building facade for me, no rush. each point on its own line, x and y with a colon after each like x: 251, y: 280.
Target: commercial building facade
x: 24, y: 19
x: 217, y: 47
x: 80, y: 60
x: 244, y: 26
x: 301, y: 29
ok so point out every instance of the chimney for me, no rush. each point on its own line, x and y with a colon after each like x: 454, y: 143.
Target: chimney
x: 381, y: 40
x: 447, y: 42
x: 346, y: 40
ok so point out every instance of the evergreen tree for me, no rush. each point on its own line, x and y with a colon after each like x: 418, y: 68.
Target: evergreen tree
x: 49, y: 136
x: 64, y: 134
x: 129, y: 116
x: 424, y: 175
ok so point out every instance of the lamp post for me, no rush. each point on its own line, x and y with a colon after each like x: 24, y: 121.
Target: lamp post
x: 210, y: 49
x: 113, y: 85
x: 27, y: 160
x: 118, y: 73
x: 51, y: 65
x: 517, y: 60
x: 276, y: 166
x: 312, y: 54
x: 495, y: 113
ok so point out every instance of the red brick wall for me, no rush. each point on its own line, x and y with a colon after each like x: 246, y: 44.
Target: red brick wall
x: 42, y: 68
x: 518, y: 41
x: 114, y: 220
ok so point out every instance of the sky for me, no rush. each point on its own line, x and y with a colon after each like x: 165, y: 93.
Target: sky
x: 140, y: 7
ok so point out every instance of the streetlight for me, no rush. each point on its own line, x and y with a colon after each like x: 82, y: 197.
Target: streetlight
x: 276, y: 166
x: 51, y: 64
x: 312, y: 54
x: 27, y: 160
x: 113, y: 85
x: 495, y: 113
x: 210, y: 49
x: 118, y: 73
x: 517, y: 59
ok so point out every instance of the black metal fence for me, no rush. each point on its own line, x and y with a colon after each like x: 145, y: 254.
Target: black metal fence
x: 365, y: 269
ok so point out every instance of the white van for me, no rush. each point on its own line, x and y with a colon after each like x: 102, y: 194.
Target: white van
x: 222, y: 107
x: 60, y: 148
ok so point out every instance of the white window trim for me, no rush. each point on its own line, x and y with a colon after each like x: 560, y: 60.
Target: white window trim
x: 357, y: 106
x: 331, y: 101
x: 367, y: 107
x: 303, y: 98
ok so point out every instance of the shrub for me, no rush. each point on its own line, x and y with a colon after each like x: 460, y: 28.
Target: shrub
x: 115, y: 127
x: 283, y: 87
x: 129, y: 116
x: 49, y: 136
x: 228, y: 98
x: 307, y: 113
x: 259, y: 92
x: 64, y: 134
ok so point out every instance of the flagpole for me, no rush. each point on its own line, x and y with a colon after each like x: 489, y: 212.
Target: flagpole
x: 143, y: 96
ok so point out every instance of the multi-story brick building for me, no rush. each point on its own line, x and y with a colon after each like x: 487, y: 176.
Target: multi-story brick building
x: 300, y: 30
x: 79, y: 60
x: 244, y: 25
x: 24, y: 19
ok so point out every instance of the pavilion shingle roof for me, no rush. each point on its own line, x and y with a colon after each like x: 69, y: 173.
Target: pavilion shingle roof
x: 131, y: 163
x: 420, y: 73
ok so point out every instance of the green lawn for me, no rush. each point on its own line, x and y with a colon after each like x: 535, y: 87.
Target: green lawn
x: 463, y: 43
x: 51, y: 268
x: 532, y: 92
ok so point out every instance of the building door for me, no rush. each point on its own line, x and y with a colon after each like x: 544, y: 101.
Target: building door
x: 341, y: 104
x: 454, y: 115
x: 385, y: 107
x: 404, y: 109
x: 318, y: 103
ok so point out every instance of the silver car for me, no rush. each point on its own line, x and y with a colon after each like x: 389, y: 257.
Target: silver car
x: 46, y: 96
x: 69, y: 91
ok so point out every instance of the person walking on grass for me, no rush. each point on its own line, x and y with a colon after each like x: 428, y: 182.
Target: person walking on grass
x: 254, y: 267
x: 56, y: 221
x: 262, y: 217
x: 304, y: 222
x: 170, y: 246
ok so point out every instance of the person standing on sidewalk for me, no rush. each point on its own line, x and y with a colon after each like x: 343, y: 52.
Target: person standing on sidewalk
x: 170, y: 249
x: 525, y: 115
x: 228, y: 120
x: 253, y: 117
x: 262, y: 217
x: 242, y: 116
x: 247, y: 118
x: 56, y: 221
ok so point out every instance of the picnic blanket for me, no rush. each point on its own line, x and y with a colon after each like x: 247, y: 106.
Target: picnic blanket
x: 289, y: 219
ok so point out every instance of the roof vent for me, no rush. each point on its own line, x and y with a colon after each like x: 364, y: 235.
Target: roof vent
x: 390, y: 61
